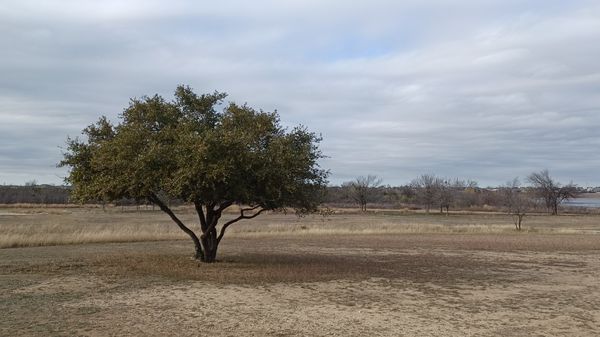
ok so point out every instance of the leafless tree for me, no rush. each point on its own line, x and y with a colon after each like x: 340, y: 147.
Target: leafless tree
x: 427, y: 190
x: 551, y: 191
x: 465, y: 193
x: 516, y: 201
x: 446, y: 194
x: 362, y: 189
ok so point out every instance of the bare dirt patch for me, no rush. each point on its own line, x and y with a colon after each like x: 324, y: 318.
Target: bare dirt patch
x: 308, y: 285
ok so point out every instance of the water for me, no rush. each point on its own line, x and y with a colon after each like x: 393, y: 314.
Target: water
x: 582, y: 202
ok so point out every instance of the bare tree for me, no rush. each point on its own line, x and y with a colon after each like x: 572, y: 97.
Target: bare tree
x: 516, y: 201
x: 406, y: 193
x: 445, y: 194
x: 427, y: 190
x: 451, y: 192
x: 362, y: 189
x: 465, y: 193
x: 551, y: 191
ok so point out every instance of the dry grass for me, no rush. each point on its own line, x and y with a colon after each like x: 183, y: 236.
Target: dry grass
x: 303, y: 285
x: 28, y: 235
x: 21, y: 227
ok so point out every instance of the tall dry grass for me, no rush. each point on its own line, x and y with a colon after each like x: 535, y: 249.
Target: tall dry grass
x: 28, y: 235
x: 20, y: 227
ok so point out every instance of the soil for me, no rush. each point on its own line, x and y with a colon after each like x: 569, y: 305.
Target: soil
x: 303, y: 285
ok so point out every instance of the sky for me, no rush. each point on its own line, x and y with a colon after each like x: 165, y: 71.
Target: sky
x: 474, y: 89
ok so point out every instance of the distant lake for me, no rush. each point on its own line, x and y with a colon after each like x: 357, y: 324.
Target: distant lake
x: 583, y: 202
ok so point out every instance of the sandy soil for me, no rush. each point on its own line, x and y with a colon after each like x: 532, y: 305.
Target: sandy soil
x: 346, y: 285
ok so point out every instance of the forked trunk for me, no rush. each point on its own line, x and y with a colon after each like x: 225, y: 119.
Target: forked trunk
x: 518, y: 219
x: 210, y: 245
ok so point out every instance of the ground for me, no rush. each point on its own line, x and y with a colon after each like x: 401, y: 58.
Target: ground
x: 347, y: 275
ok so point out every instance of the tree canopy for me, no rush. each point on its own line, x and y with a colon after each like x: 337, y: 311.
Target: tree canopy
x: 189, y: 150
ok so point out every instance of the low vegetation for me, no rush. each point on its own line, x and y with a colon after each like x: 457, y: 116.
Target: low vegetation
x: 55, y: 226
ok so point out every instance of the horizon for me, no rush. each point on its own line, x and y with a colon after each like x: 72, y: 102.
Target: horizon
x: 523, y: 185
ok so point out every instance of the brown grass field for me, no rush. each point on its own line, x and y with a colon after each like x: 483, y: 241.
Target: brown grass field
x: 86, y: 272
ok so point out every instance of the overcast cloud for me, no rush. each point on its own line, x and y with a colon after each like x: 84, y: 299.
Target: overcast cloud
x: 486, y: 90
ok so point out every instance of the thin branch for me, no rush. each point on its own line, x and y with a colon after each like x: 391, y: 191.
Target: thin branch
x: 240, y: 217
x: 249, y: 208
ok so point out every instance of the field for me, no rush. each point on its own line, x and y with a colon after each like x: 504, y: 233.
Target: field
x: 80, y: 271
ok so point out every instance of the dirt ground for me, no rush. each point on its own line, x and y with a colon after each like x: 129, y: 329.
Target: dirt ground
x: 527, y: 284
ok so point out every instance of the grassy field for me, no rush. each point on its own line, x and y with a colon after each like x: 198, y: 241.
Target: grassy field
x: 31, y: 226
x: 379, y: 274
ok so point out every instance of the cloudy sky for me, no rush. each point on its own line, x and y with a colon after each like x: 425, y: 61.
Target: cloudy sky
x: 479, y: 89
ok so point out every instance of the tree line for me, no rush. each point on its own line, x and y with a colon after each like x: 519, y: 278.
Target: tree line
x: 429, y: 192
x: 31, y: 193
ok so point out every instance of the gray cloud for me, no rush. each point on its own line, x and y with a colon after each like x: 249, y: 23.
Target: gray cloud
x: 486, y: 90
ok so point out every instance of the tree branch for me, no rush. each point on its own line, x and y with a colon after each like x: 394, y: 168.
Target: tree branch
x: 240, y: 217
x: 214, y: 215
x: 249, y: 209
x: 200, y: 211
x: 155, y: 199
x: 224, y: 205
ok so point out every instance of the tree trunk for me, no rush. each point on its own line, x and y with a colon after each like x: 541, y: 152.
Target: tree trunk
x: 210, y: 245
x: 199, y: 254
x: 209, y: 237
x: 518, y: 219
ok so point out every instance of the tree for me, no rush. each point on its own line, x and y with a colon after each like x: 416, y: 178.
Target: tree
x: 427, y: 189
x: 186, y: 149
x: 552, y: 192
x: 362, y: 189
x: 445, y: 194
x: 516, y: 201
x: 466, y: 193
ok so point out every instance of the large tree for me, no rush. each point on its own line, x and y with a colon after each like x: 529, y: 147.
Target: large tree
x: 186, y: 149
x: 552, y: 192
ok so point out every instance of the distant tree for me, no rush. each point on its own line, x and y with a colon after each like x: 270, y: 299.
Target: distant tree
x: 426, y: 188
x: 406, y: 193
x: 446, y: 194
x: 34, y: 189
x: 464, y: 193
x: 31, y: 183
x: 187, y: 150
x: 363, y: 189
x: 551, y: 191
x: 516, y: 201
